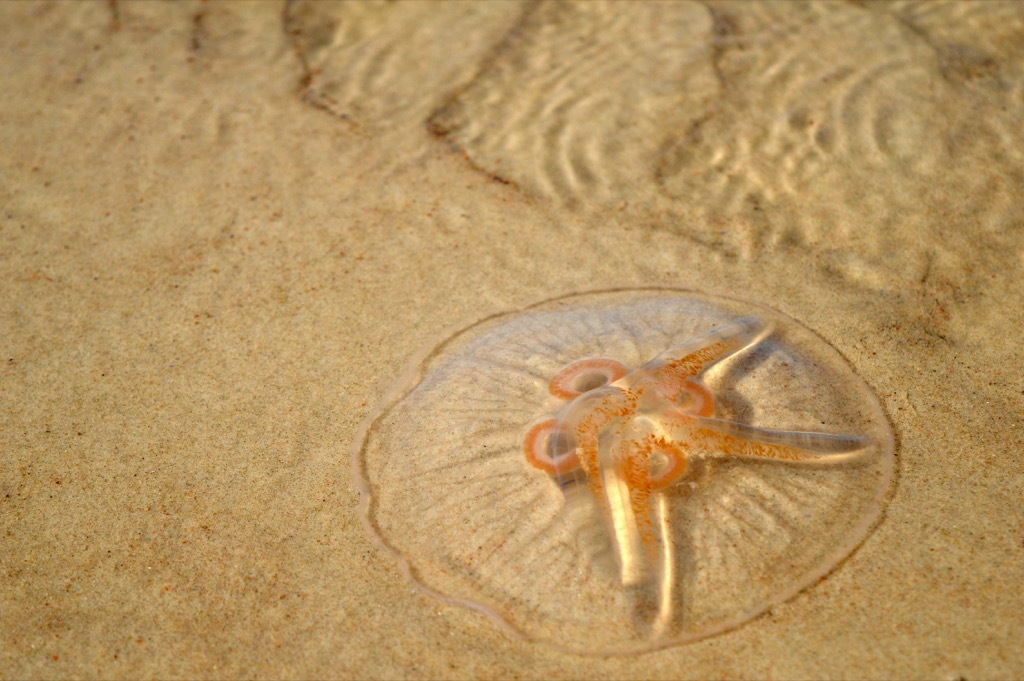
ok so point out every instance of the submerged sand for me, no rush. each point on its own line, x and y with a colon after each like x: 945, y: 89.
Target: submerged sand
x: 226, y: 230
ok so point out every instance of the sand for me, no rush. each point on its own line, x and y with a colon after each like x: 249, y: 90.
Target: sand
x: 226, y: 230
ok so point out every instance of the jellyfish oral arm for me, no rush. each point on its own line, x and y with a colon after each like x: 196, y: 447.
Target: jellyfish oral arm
x: 661, y: 410
x: 701, y: 353
x: 719, y: 437
x: 626, y: 526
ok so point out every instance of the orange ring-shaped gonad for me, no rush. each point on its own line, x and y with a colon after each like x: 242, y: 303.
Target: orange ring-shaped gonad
x: 705, y: 402
x: 536, y: 451
x: 562, y: 384
x: 676, y: 464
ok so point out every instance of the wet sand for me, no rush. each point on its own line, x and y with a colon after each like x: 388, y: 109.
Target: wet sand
x: 227, y: 229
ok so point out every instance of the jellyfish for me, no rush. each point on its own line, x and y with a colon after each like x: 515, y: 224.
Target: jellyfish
x: 616, y: 471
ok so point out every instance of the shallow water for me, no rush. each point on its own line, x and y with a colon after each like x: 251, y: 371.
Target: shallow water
x: 227, y: 227
x: 751, y: 126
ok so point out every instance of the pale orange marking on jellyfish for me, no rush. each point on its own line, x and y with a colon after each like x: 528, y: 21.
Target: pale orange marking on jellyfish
x: 691, y: 364
x: 636, y: 468
x: 535, y: 446
x: 672, y: 381
x: 618, y: 404
x: 677, y: 423
x: 685, y: 399
x: 633, y: 457
x: 609, y: 370
x: 738, y: 446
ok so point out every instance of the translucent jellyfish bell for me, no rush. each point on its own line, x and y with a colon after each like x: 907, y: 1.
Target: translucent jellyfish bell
x: 617, y: 471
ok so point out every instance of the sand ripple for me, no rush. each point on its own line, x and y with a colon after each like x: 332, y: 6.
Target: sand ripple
x: 749, y: 127
x: 736, y: 121
x: 577, y: 106
x: 384, y: 65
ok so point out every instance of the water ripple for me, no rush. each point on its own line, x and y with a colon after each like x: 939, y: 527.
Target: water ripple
x: 815, y: 128
x: 384, y: 65
x: 584, y: 98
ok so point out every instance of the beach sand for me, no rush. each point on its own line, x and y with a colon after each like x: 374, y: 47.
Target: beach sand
x: 227, y: 228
